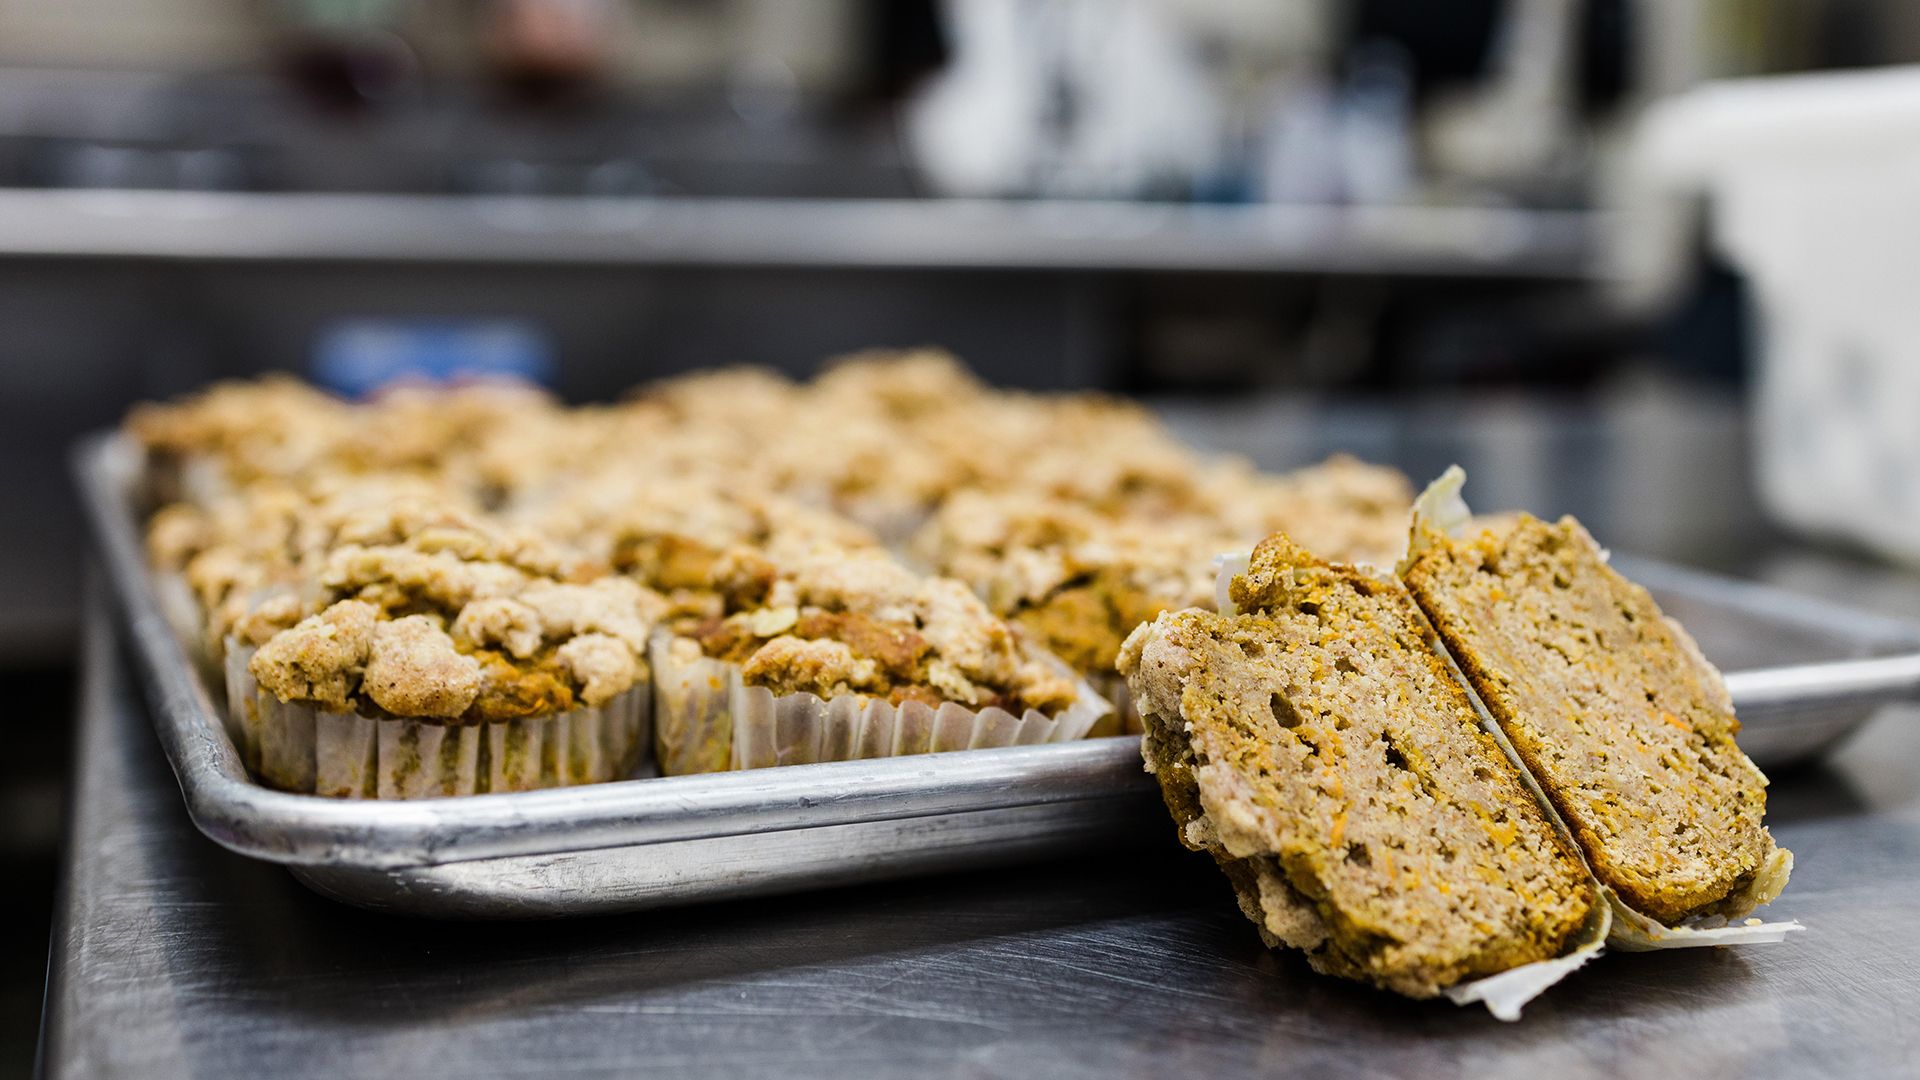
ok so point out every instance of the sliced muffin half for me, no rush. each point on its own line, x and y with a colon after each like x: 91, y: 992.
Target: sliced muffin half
x: 1625, y: 725
x: 1320, y: 748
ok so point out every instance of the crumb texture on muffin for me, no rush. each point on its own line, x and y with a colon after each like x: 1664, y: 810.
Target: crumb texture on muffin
x: 862, y: 623
x: 448, y: 619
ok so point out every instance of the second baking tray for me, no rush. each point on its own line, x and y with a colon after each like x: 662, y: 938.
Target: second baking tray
x: 1803, y: 673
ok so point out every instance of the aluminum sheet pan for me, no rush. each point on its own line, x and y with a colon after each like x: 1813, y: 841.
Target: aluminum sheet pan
x: 1803, y: 673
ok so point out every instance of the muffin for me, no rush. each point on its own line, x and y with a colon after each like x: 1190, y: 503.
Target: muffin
x: 1317, y: 746
x: 1341, y: 509
x: 1109, y: 456
x: 674, y: 537
x: 1624, y: 724
x: 1074, y: 581
x: 842, y: 656
x: 205, y: 446
x: 443, y: 657
x: 280, y: 431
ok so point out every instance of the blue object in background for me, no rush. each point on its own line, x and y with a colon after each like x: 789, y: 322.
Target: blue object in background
x: 355, y: 357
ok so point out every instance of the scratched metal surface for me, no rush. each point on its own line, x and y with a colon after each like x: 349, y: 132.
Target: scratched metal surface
x: 173, y: 957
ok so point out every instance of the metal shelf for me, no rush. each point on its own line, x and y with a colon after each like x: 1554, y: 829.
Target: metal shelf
x: 824, y: 233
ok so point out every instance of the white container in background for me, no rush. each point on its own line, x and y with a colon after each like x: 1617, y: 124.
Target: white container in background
x: 1813, y: 192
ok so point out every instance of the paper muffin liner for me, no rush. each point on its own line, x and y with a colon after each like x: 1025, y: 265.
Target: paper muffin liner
x: 183, y: 614
x: 1125, y: 718
x: 893, y: 522
x: 709, y: 720
x: 197, y: 478
x: 301, y: 748
x: 241, y: 715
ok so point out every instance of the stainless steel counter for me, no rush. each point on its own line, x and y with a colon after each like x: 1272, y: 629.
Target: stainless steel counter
x: 172, y: 957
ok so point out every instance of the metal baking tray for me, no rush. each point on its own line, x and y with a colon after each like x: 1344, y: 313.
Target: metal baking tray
x: 1803, y: 673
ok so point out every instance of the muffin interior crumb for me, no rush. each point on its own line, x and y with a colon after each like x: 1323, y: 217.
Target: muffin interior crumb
x: 1629, y: 730
x: 1321, y: 750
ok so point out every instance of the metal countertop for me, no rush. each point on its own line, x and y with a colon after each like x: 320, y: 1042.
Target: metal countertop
x: 172, y: 957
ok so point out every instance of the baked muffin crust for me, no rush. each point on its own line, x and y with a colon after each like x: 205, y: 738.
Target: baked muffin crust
x: 861, y: 623
x: 452, y: 620
x: 1072, y: 579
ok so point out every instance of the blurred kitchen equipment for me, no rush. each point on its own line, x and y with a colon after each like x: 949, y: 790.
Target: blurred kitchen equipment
x: 344, y: 55
x: 1067, y: 97
x: 546, y: 51
x: 1811, y: 184
x: 356, y: 357
x: 1516, y: 128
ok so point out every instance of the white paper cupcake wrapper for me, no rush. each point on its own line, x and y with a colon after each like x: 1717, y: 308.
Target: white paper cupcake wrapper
x: 199, y: 478
x: 301, y: 748
x: 1125, y: 719
x: 709, y: 720
x: 181, y: 609
x: 242, y: 712
x: 890, y: 522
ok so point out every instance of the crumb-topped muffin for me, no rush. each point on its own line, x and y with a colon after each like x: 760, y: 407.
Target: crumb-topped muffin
x: 875, y: 459
x: 1342, y: 509
x: 1107, y: 455
x: 481, y: 439
x: 219, y: 561
x: 863, y: 623
x: 907, y: 386
x: 202, y: 447
x: 860, y: 633
x: 497, y: 647
x: 1320, y: 749
x: 1073, y: 579
x: 679, y: 538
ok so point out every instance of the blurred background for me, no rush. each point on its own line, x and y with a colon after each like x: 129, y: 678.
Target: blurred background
x: 1514, y: 233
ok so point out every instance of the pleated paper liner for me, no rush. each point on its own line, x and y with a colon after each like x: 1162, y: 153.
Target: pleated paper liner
x: 892, y: 522
x: 181, y: 609
x: 1125, y: 718
x: 198, y: 478
x: 709, y: 720
x: 300, y: 748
